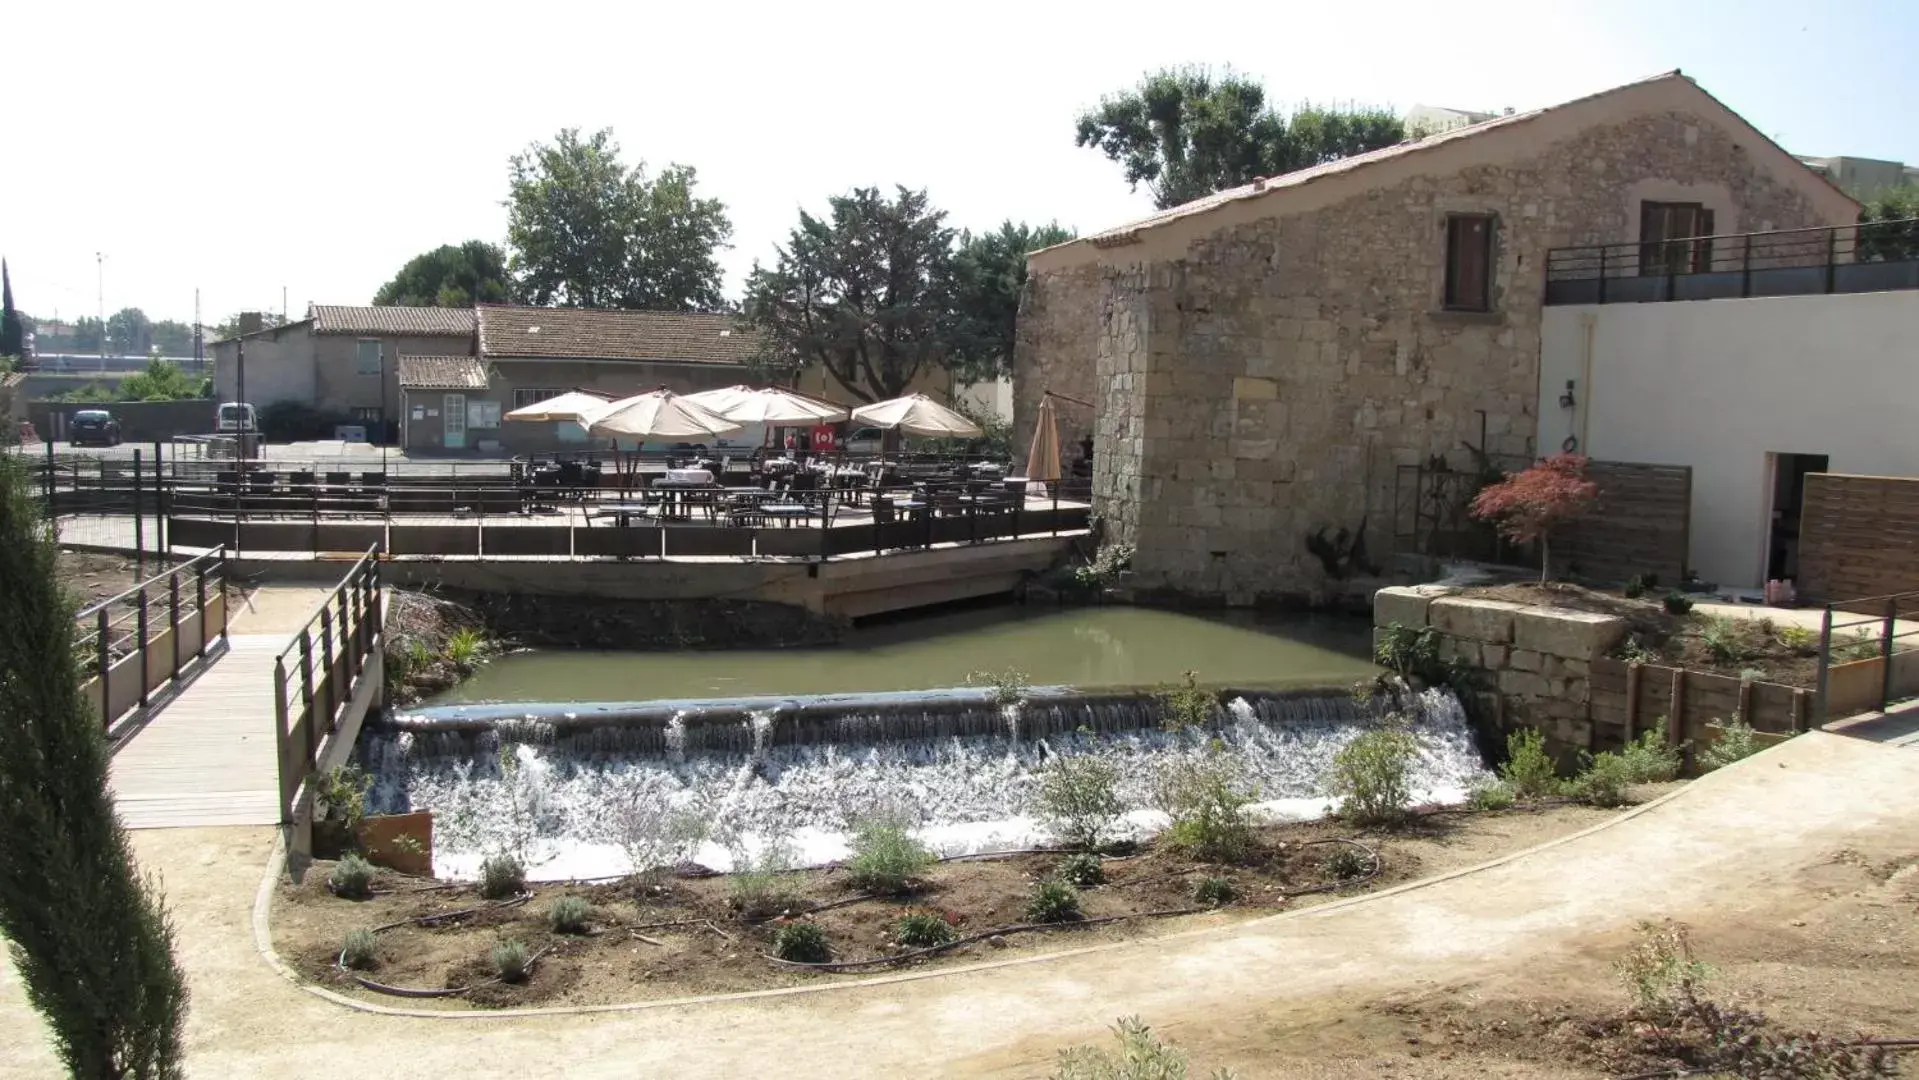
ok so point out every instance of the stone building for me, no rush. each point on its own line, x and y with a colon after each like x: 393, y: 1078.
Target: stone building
x: 1262, y: 360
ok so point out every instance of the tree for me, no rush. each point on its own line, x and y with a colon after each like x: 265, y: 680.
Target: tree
x: 13, y: 333
x: 1186, y: 134
x: 448, y: 276
x: 586, y: 231
x: 229, y: 327
x: 990, y: 272
x: 866, y: 292
x: 1528, y: 505
x: 90, y: 938
x: 129, y: 332
x: 172, y: 338
x: 87, y: 334
x: 161, y: 381
x: 1891, y: 243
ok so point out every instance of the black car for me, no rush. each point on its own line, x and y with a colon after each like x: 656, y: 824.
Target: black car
x: 94, y: 426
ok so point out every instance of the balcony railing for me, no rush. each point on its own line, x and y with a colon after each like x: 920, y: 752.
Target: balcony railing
x: 1785, y: 262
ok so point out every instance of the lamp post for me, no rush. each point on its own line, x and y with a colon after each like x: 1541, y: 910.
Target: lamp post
x: 100, y: 287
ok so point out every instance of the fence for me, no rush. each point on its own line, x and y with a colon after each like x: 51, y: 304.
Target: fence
x: 1783, y: 262
x: 324, y: 682
x: 134, y: 643
x: 1859, y: 671
x: 1858, y: 536
x: 1628, y: 698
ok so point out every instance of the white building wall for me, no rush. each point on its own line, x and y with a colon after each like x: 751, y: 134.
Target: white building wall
x: 1721, y: 384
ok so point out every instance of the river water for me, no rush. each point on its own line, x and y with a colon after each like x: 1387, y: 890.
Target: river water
x: 1080, y: 647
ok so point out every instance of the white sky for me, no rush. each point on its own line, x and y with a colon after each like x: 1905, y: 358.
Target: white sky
x: 244, y: 147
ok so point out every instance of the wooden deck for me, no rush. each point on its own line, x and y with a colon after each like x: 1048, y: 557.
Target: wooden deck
x: 207, y: 756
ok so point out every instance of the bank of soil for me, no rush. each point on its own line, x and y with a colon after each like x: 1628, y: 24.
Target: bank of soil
x: 90, y: 578
x: 684, y: 939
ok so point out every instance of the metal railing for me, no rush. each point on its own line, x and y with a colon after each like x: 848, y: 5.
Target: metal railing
x: 319, y: 679
x: 129, y: 645
x: 1859, y: 671
x: 1783, y: 262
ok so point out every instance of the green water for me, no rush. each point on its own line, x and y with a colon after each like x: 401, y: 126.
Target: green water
x: 1083, y: 647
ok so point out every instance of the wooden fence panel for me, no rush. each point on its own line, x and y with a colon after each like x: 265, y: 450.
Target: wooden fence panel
x: 1858, y: 536
x: 1641, y: 524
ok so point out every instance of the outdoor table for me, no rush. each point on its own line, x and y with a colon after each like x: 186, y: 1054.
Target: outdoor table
x: 623, y: 513
x: 699, y: 477
x: 676, y: 496
x: 787, y: 512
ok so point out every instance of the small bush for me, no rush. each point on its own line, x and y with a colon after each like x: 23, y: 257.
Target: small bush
x: 1603, y: 781
x: 923, y: 930
x: 1861, y: 646
x: 352, y: 877
x: 1052, y: 901
x: 1186, y: 705
x: 1492, y: 795
x: 1677, y: 603
x: 1648, y: 760
x: 342, y: 790
x: 1004, y: 687
x: 887, y: 859
x: 465, y: 647
x: 1411, y: 653
x: 1079, y: 798
x: 1529, y: 770
x: 569, y: 915
x: 802, y: 942
x: 1082, y: 871
x: 1345, y: 863
x: 1372, y: 776
x: 502, y: 876
x: 1660, y: 972
x: 1725, y: 640
x: 1141, y: 1057
x: 1207, y: 803
x: 1799, y: 639
x: 1635, y: 587
x: 511, y: 961
x: 1213, y: 890
x: 760, y: 885
x: 1734, y: 742
x: 360, y: 950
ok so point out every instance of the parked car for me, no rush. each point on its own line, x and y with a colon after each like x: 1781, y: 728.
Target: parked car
x: 94, y: 426
x: 866, y: 440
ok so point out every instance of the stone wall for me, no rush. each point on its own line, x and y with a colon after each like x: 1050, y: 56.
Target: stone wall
x: 1060, y: 316
x: 1289, y: 363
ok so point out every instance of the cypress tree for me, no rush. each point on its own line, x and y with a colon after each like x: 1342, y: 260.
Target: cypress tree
x: 13, y: 333
x: 91, y: 938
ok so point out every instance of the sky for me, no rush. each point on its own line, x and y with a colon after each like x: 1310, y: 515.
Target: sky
x: 242, y: 149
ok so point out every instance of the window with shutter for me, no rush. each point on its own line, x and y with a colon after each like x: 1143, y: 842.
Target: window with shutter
x: 1469, y: 262
x: 1669, y: 238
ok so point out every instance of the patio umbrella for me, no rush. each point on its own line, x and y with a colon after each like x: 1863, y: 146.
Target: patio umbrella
x: 658, y: 414
x: 579, y: 406
x: 771, y: 405
x: 917, y: 414
x: 1042, y: 461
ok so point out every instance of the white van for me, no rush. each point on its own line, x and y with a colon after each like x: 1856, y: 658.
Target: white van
x: 237, y: 416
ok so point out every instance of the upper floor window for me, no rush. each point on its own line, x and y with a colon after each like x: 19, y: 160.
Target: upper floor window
x: 1668, y: 238
x: 533, y: 396
x: 366, y: 356
x: 1469, y: 262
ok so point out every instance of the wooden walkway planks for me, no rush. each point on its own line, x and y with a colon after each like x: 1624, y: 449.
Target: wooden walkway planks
x: 208, y: 756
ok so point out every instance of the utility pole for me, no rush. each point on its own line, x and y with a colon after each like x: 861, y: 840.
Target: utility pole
x: 240, y: 380
x: 100, y: 284
x: 199, y: 336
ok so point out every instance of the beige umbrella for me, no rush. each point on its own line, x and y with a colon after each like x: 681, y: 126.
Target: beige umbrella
x: 917, y: 414
x: 771, y: 405
x: 1042, y: 461
x: 578, y: 406
x: 658, y: 414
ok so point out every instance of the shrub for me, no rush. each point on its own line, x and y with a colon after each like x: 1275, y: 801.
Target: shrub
x: 465, y: 647
x: 1372, y: 776
x: 1733, y: 743
x: 1527, y: 506
x: 360, y: 950
x: 1799, y: 639
x: 1214, y: 890
x: 1053, y: 901
x: 1345, y: 863
x: 802, y: 942
x: 1635, y: 587
x: 1529, y: 770
x: 352, y: 877
x: 1185, y: 705
x: 923, y: 930
x: 759, y: 885
x: 654, y: 835
x: 502, y: 876
x: 886, y: 857
x: 569, y: 915
x: 1861, y: 646
x: 1408, y: 652
x: 1660, y: 972
x: 1082, y: 870
x: 1724, y: 640
x: 1004, y: 687
x: 343, y: 790
x: 1207, y: 803
x: 1648, y: 760
x: 511, y: 961
x: 1141, y: 1057
x: 1603, y: 781
x: 1491, y: 795
x: 1677, y: 603
x: 1079, y: 798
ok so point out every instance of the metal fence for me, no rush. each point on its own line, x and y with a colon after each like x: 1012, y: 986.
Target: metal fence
x: 1862, y: 669
x: 129, y: 645
x: 1783, y: 262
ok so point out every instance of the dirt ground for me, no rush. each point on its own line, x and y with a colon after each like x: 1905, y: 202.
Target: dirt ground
x: 91, y: 578
x: 635, y: 952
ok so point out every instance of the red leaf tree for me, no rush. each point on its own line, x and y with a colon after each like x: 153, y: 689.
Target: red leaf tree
x: 1527, y: 506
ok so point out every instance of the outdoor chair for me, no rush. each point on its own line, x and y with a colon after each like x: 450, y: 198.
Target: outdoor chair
x: 883, y: 511
x: 373, y: 481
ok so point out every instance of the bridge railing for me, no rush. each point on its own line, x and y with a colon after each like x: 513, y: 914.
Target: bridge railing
x: 324, y: 682
x: 129, y: 645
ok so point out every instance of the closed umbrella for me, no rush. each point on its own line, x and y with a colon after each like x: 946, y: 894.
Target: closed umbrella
x: 578, y: 406
x: 1042, y: 461
x: 917, y: 414
x: 658, y: 414
x: 768, y: 405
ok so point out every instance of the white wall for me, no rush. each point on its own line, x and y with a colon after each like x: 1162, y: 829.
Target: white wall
x: 993, y: 399
x: 1719, y: 384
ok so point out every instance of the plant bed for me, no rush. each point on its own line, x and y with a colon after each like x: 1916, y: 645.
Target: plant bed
x: 683, y: 938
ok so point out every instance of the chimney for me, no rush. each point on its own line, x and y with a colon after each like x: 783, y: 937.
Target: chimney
x: 251, y: 321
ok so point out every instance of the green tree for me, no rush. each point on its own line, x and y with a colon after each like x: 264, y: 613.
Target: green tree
x: 586, y: 231
x: 1891, y: 242
x: 990, y: 272
x: 1186, y: 134
x: 90, y: 938
x: 13, y: 333
x: 229, y: 327
x: 129, y: 332
x: 87, y: 334
x: 449, y: 276
x: 161, y: 380
x: 172, y: 338
x: 867, y: 292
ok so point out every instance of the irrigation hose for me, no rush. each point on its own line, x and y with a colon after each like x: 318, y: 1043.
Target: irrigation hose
x: 900, y: 958
x: 426, y: 992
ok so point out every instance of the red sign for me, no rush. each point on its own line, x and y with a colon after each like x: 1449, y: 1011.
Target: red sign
x: 824, y: 439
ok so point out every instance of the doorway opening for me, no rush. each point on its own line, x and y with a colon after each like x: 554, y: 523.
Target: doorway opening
x: 1788, y: 498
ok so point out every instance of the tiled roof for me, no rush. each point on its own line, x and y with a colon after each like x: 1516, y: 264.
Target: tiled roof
x: 442, y: 373
x: 414, y: 321
x: 599, y: 334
